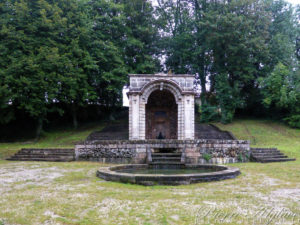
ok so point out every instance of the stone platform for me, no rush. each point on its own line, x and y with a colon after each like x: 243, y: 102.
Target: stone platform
x: 198, y: 151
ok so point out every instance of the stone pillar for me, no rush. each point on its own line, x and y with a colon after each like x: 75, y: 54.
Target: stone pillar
x: 189, y: 117
x: 142, y: 120
x: 134, y: 117
x: 180, y: 122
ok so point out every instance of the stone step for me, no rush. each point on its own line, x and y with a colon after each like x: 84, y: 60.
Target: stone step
x: 166, y: 159
x: 38, y: 154
x: 42, y: 156
x: 45, y: 154
x: 166, y: 154
x: 47, y: 150
x: 264, y: 151
x: 277, y: 160
x: 167, y: 163
x: 266, y: 154
x: 41, y: 159
x: 270, y: 156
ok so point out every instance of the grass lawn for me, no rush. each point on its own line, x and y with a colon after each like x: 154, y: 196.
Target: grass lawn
x: 61, y: 138
x: 70, y: 193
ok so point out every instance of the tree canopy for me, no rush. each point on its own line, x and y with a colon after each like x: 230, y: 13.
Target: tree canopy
x: 60, y: 55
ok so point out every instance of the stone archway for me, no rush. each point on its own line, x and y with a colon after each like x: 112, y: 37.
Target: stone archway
x: 147, y: 125
x: 171, y: 89
x: 161, y: 115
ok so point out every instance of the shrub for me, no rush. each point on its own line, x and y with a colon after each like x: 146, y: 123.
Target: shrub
x: 293, y: 121
x: 208, y: 113
x: 207, y: 157
x: 240, y: 157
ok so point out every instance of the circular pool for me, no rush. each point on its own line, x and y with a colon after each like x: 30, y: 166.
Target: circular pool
x: 145, y: 174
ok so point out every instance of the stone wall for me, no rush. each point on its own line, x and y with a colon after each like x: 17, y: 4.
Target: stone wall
x: 135, y: 151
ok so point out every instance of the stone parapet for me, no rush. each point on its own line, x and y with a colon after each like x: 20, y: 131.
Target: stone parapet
x: 199, y: 151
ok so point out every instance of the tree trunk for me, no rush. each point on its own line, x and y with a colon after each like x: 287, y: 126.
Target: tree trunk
x: 39, y: 128
x: 74, y: 115
x: 203, y: 87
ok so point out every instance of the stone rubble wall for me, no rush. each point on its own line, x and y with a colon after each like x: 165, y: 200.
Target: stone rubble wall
x: 199, y: 151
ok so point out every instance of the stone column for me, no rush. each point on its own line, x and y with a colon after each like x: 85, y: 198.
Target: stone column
x: 134, y: 117
x: 142, y: 120
x: 189, y: 117
x: 180, y: 123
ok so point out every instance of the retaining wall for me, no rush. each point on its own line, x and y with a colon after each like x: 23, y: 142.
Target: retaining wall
x: 135, y: 151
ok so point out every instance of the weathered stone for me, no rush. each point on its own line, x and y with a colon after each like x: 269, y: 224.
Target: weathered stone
x: 135, y: 150
x: 144, y: 121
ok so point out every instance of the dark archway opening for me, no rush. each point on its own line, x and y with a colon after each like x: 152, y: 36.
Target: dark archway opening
x: 161, y: 115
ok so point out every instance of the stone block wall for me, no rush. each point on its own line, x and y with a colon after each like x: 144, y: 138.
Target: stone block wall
x: 135, y: 151
x: 217, y: 152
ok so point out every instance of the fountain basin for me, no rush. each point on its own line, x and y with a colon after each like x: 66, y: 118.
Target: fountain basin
x: 145, y: 174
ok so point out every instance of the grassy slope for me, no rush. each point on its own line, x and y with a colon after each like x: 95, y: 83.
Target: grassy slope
x: 266, y: 133
x: 70, y: 193
x: 61, y: 138
x: 261, y: 133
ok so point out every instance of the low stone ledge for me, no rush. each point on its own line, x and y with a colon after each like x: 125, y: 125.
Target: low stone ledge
x: 164, y: 141
x: 114, y: 174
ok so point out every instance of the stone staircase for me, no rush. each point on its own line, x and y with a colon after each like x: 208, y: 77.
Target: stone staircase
x: 50, y: 155
x: 209, y: 131
x: 166, y: 160
x: 120, y: 132
x: 267, y: 155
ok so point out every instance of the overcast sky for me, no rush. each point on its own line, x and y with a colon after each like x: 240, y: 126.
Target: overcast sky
x: 294, y: 2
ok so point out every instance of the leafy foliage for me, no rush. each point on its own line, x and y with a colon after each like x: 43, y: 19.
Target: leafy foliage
x: 69, y: 52
x: 62, y: 55
x: 281, y: 90
x: 207, y: 157
x: 208, y: 113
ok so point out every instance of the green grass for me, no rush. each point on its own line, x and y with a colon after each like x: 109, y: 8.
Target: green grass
x: 60, y: 138
x: 70, y: 193
x: 266, y: 133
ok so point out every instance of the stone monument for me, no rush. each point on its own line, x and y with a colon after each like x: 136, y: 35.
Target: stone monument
x: 162, y: 128
x: 161, y: 106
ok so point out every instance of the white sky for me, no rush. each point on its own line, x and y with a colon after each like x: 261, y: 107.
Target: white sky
x: 294, y: 2
x: 125, y: 98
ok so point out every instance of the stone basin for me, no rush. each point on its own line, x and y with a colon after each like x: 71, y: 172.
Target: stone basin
x: 145, y: 174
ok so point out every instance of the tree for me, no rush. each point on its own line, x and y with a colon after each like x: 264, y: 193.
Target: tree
x: 229, y: 45
x: 281, y: 91
x: 44, y: 59
x: 122, y: 41
x: 76, y: 63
